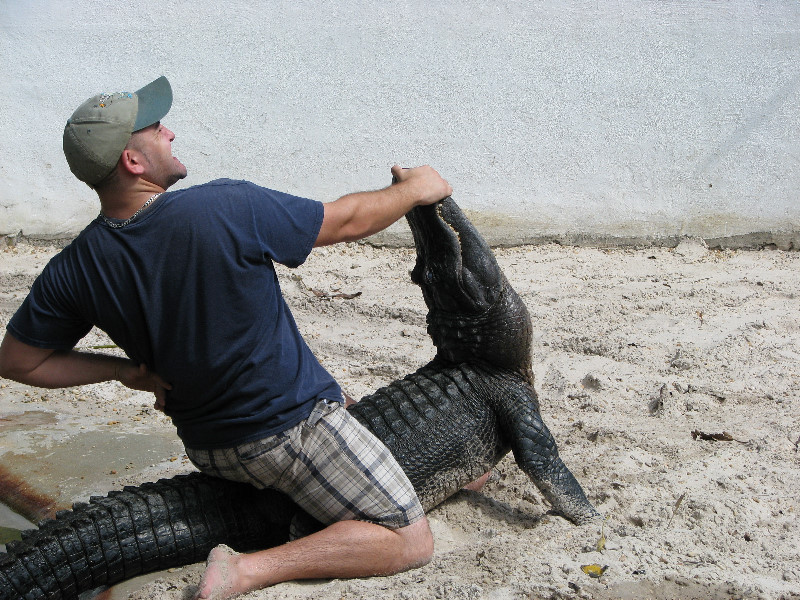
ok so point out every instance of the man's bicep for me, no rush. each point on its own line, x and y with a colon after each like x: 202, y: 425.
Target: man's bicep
x: 335, y: 215
x: 18, y: 358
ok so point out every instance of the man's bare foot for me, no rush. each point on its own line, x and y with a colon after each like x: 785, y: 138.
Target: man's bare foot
x: 477, y: 485
x: 218, y: 580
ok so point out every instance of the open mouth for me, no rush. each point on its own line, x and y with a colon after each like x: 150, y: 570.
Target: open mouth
x: 455, y: 266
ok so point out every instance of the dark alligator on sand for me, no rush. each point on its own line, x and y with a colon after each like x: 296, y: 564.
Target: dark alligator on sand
x: 447, y: 423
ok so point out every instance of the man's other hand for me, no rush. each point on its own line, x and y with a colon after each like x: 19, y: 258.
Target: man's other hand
x: 143, y: 379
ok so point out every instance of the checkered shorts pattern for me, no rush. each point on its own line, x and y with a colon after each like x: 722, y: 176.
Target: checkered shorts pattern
x: 329, y: 464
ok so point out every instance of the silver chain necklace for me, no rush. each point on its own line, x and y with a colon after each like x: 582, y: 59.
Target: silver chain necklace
x: 117, y: 225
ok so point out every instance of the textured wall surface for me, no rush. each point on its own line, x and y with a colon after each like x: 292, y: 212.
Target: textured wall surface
x: 571, y: 120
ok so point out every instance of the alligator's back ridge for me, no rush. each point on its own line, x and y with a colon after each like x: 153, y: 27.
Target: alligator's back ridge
x: 439, y: 427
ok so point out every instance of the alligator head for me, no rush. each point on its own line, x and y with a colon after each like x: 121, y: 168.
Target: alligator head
x: 473, y: 312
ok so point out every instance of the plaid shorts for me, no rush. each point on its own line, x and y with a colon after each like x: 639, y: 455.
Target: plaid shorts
x: 329, y: 464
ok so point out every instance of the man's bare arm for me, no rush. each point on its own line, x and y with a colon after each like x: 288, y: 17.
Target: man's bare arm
x: 47, y: 368
x: 359, y: 215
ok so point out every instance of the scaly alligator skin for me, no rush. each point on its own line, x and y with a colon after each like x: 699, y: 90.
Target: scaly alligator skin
x: 447, y: 424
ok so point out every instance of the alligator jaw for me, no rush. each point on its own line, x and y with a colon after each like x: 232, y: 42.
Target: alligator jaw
x: 455, y: 268
x: 473, y: 313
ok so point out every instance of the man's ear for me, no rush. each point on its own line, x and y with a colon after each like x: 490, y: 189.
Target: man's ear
x: 132, y: 161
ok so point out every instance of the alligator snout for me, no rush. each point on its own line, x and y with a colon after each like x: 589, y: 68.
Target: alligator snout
x: 455, y: 267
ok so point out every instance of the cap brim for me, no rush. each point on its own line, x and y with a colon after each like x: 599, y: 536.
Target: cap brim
x: 155, y: 100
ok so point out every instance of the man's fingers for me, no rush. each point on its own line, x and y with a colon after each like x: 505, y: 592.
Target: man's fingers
x: 148, y: 381
x: 398, y: 173
x: 161, y: 398
x: 146, y: 373
x: 434, y: 186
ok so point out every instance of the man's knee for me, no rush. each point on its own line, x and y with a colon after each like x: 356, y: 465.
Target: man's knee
x: 418, y: 541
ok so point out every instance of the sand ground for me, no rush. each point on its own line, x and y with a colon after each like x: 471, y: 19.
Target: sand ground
x: 669, y: 377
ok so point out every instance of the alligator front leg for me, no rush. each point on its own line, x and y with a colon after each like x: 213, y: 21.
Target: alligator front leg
x: 535, y: 450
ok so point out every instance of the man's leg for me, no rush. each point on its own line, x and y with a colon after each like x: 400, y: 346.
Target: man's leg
x: 342, y: 475
x: 344, y: 549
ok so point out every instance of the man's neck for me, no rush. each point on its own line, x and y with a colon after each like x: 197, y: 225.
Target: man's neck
x: 123, y: 203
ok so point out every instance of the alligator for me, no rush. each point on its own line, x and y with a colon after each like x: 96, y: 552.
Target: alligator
x: 447, y: 424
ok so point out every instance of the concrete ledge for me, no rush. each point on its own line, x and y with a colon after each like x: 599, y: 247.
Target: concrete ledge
x: 502, y: 237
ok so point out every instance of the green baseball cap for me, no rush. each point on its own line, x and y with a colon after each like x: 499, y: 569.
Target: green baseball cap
x: 98, y: 131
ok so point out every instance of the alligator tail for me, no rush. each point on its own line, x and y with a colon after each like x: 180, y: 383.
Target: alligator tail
x: 138, y: 530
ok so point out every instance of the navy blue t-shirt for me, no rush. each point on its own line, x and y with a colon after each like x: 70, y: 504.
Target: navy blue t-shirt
x: 189, y: 289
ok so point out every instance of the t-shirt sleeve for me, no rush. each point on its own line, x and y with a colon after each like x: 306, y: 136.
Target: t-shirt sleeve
x: 287, y: 226
x: 45, y: 319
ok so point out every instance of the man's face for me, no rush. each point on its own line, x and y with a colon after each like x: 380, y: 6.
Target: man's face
x: 154, y: 145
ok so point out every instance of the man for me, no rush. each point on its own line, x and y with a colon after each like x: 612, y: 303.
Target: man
x: 184, y: 283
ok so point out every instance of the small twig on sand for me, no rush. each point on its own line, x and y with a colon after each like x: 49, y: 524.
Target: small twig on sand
x: 675, y: 508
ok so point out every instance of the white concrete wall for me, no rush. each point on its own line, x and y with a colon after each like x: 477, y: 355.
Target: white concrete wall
x: 622, y: 119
